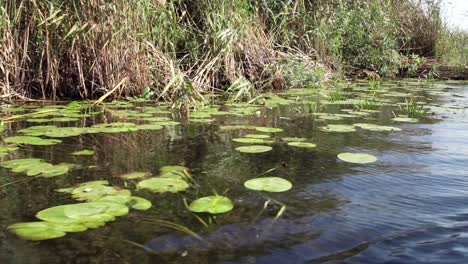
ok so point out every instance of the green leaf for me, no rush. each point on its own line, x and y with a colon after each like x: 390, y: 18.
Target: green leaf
x: 211, y: 204
x: 359, y: 158
x: 254, y: 149
x: 268, y: 184
x: 162, y: 185
x: 84, y: 152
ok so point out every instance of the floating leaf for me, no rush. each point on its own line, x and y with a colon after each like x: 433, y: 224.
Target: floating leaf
x: 149, y: 127
x: 37, y: 231
x: 5, y: 149
x: 162, y: 185
x: 134, y: 202
x: 359, y: 158
x: 338, y: 128
x: 259, y: 136
x: 92, y: 192
x: 268, y: 184
x: 293, y: 139
x: 252, y: 141
x: 165, y: 169
x: 254, y: 149
x: 405, y: 119
x: 84, y: 152
x: 269, y: 129
x: 302, y: 144
x: 83, y: 212
x: 211, y: 204
x: 29, y: 140
x: 373, y: 127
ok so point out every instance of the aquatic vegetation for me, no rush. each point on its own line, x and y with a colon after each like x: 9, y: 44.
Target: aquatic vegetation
x: 405, y: 119
x: 215, y: 204
x: 84, y: 152
x: 368, y: 104
x: 92, y: 191
x: 252, y: 140
x: 413, y: 109
x: 259, y: 136
x: 373, y: 127
x: 163, y: 185
x: 37, y: 231
x: 254, y: 149
x: 133, y: 202
x: 338, y: 128
x: 302, y: 144
x: 29, y: 140
x: 268, y: 129
x: 360, y: 158
x: 37, y: 167
x: 268, y: 184
x: 4, y: 150
x: 293, y: 139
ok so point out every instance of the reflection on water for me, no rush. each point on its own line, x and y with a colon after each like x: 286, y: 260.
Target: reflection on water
x: 409, y: 207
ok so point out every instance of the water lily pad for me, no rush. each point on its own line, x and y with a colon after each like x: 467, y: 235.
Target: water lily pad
x: 211, y: 204
x: 405, y: 119
x: 135, y: 175
x: 162, y: 185
x: 302, y: 144
x: 4, y: 150
x: 359, y: 158
x: 165, y: 169
x: 149, y: 127
x: 293, y: 139
x: 338, y: 128
x: 254, y: 149
x: 37, y: 231
x: 84, y: 152
x: 29, y: 140
x: 259, y: 136
x: 269, y: 129
x: 83, y: 212
x: 373, y: 127
x: 36, y: 131
x: 134, y: 202
x: 92, y: 192
x: 268, y: 184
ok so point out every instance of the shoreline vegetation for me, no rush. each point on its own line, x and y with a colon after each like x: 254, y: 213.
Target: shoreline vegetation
x: 184, y: 51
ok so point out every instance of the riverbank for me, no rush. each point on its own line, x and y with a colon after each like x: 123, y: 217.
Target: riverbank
x: 182, y: 51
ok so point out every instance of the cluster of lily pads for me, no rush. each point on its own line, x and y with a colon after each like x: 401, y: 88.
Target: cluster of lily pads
x: 101, y: 204
x: 37, y: 167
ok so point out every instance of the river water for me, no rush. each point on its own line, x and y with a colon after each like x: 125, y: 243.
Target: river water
x: 411, y: 206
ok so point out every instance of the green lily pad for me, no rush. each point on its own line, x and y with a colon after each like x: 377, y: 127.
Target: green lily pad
x: 37, y: 231
x: 338, y: 128
x: 269, y: 129
x: 29, y: 140
x: 149, y: 127
x: 293, y: 139
x: 162, y: 185
x: 211, y: 204
x: 405, y: 119
x: 252, y: 141
x: 36, y: 131
x: 373, y: 127
x: 254, y: 149
x: 135, y: 175
x: 84, y: 152
x: 92, y: 192
x: 268, y: 184
x: 302, y: 144
x: 165, y: 169
x: 83, y: 212
x: 5, y: 149
x: 359, y: 158
x: 134, y: 202
x: 11, y: 164
x: 259, y: 136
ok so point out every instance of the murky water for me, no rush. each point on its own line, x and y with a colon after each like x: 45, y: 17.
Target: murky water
x: 411, y: 206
